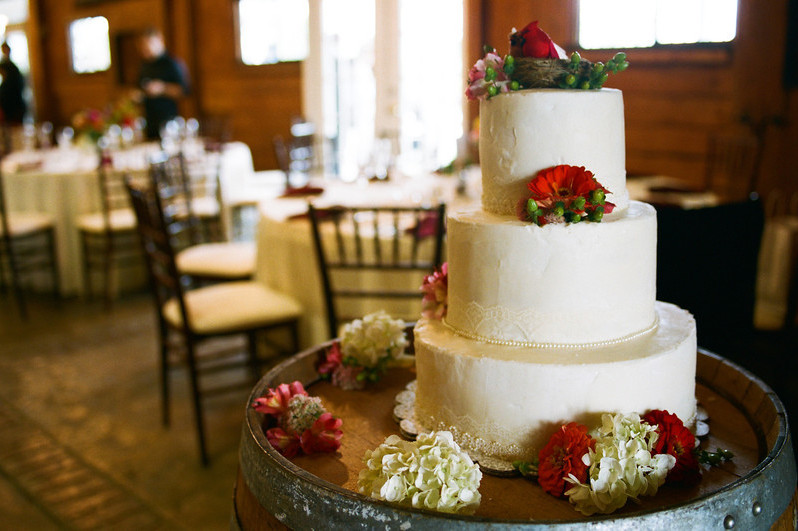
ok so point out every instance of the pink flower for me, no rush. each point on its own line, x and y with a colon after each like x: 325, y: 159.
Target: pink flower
x: 299, y: 423
x: 324, y: 436
x: 332, y: 360
x: 345, y: 377
x: 275, y: 402
x: 287, y: 444
x: 436, y: 289
x: 487, y: 77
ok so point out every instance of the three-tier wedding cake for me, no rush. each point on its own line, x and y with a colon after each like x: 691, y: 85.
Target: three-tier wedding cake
x: 552, y: 319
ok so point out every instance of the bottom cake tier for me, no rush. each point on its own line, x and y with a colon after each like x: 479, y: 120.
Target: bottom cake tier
x: 504, y: 402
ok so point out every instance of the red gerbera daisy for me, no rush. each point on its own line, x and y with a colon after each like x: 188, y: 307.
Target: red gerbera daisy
x: 675, y: 439
x: 565, y: 194
x: 562, y: 456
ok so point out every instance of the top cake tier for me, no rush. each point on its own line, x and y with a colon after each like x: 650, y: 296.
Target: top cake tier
x: 523, y: 132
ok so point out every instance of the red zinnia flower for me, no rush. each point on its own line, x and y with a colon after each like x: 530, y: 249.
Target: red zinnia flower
x: 562, y: 456
x: 675, y: 439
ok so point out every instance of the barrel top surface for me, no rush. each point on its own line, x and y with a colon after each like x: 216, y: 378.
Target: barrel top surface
x: 744, y: 417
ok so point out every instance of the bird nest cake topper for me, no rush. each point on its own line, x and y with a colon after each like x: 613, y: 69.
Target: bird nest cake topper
x: 535, y: 61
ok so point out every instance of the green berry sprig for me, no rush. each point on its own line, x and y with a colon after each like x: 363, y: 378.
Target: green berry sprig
x: 715, y: 458
x: 584, y: 75
x: 527, y: 468
x: 581, y: 209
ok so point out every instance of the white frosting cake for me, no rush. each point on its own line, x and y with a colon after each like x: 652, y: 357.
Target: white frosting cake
x: 521, y: 133
x: 506, y: 402
x: 556, y: 323
x: 511, y: 280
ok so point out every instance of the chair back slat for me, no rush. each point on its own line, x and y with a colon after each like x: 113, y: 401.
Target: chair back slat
x: 732, y: 165
x: 112, y: 191
x: 168, y: 175
x: 156, y: 243
x: 385, y: 241
x: 7, y: 248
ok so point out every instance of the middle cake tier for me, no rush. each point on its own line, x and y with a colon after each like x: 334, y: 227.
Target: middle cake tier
x: 512, y: 282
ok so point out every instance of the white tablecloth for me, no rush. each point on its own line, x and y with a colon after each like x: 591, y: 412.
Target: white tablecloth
x: 63, y: 183
x: 287, y: 260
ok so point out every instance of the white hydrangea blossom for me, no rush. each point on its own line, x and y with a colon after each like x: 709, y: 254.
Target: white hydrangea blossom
x: 621, y: 466
x: 375, y: 337
x: 431, y: 472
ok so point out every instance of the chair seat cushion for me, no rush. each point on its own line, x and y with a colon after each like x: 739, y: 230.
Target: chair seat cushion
x: 120, y: 220
x: 218, y: 260
x: 205, y: 207
x: 26, y: 223
x: 232, y: 307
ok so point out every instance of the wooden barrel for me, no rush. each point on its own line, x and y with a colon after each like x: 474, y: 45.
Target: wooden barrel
x: 756, y: 490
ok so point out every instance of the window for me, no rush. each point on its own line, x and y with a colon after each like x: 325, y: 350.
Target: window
x: 91, y: 48
x: 272, y: 31
x: 645, y: 23
x: 392, y: 84
x: 431, y: 82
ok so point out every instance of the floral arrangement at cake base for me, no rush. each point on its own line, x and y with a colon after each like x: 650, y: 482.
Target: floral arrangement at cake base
x: 366, y: 349
x: 535, y: 61
x: 625, y: 458
x: 564, y: 194
x: 431, y: 472
x: 298, y: 423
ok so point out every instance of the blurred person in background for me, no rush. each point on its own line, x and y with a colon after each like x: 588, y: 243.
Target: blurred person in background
x: 163, y: 80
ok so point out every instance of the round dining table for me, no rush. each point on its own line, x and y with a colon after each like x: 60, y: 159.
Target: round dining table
x: 286, y: 256
x: 63, y: 182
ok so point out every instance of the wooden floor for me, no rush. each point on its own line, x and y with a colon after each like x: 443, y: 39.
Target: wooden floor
x: 81, y: 440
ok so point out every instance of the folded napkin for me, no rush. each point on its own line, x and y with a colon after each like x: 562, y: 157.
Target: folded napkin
x: 301, y: 191
x: 426, y: 227
x: 321, y: 213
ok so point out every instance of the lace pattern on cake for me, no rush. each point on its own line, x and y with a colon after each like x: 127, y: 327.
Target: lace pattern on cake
x: 477, y: 448
x: 503, y: 322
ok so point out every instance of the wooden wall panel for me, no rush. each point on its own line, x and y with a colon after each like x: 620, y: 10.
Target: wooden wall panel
x: 676, y: 98
x: 259, y: 102
x: 69, y: 92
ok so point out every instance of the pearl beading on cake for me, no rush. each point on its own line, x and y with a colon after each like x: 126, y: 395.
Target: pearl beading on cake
x: 534, y: 344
